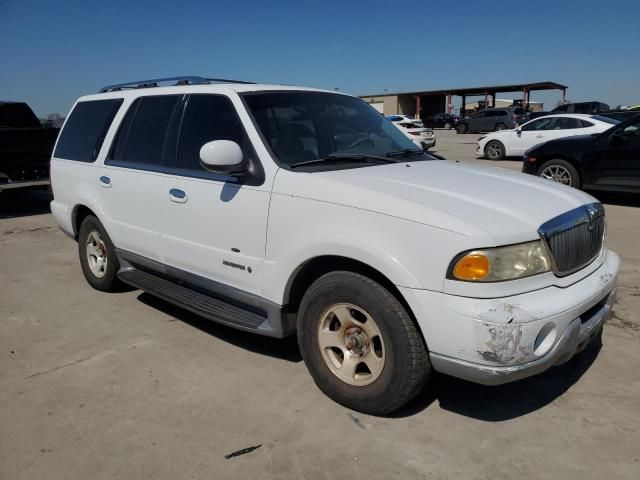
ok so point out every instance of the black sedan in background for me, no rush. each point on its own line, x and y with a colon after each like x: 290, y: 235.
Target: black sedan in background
x: 441, y: 120
x: 604, y: 161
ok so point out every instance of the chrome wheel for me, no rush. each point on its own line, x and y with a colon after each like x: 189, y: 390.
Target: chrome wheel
x: 557, y: 173
x: 96, y: 254
x: 447, y: 126
x: 351, y: 344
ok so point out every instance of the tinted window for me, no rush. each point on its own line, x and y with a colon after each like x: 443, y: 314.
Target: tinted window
x: 539, y: 124
x: 84, y: 132
x: 565, y: 123
x: 207, y: 118
x: 143, y: 132
x: 301, y: 126
x: 586, y: 124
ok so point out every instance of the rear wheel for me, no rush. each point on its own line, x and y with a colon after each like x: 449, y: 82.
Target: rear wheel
x: 494, y: 150
x: 447, y: 126
x: 500, y: 126
x: 98, y: 256
x: 360, y: 344
x: 463, y: 128
x: 560, y: 171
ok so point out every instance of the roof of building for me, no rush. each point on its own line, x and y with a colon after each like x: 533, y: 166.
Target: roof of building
x: 471, y: 91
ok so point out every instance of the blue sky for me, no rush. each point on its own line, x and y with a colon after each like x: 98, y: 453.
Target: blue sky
x: 53, y: 52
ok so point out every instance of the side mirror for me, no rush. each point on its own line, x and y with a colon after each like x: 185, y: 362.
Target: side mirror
x: 223, y: 156
x: 518, y: 131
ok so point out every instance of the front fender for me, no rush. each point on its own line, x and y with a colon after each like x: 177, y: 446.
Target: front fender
x: 409, y: 254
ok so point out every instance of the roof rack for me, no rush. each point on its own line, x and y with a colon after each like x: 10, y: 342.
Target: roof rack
x: 178, y: 81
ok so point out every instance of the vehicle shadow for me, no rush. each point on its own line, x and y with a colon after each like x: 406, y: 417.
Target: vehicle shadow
x: 617, y: 198
x: 24, y: 203
x: 285, y: 349
x: 490, y: 404
x: 504, y: 402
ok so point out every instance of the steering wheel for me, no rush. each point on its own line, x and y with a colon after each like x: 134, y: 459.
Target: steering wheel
x: 361, y: 141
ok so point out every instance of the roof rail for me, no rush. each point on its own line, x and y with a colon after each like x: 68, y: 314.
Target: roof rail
x: 178, y: 81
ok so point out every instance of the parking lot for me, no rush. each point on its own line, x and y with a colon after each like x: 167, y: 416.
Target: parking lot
x: 97, y: 385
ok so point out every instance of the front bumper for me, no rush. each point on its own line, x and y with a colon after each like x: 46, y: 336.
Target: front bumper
x: 499, y: 340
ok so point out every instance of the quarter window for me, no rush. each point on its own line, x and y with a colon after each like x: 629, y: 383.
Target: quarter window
x: 82, y: 136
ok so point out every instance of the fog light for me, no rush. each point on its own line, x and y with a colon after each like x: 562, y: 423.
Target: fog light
x: 545, y: 340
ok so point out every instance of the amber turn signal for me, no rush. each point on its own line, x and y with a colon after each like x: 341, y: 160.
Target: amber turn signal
x: 473, y: 266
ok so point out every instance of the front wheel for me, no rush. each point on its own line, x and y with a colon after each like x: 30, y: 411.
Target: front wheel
x: 447, y: 126
x: 462, y: 128
x: 360, y: 344
x: 500, y: 126
x: 560, y: 171
x: 494, y: 150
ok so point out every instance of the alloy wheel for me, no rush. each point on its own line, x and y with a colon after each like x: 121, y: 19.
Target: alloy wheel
x: 557, y: 173
x: 96, y: 254
x: 351, y: 344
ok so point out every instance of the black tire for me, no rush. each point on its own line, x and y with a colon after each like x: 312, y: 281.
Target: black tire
x: 500, y: 126
x: 494, y: 150
x: 406, y: 367
x: 462, y: 128
x: 447, y: 126
x: 109, y: 281
x: 559, y: 165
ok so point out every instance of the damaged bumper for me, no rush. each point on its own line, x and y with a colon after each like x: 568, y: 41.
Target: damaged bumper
x: 496, y: 341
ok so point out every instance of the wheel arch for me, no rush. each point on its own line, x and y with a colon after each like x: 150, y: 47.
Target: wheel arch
x: 78, y: 214
x: 308, y: 272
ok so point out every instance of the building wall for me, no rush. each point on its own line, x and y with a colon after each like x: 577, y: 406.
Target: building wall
x: 390, y: 103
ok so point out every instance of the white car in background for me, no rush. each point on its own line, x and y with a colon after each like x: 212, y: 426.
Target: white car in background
x: 513, y: 143
x: 422, y: 137
x: 405, y: 118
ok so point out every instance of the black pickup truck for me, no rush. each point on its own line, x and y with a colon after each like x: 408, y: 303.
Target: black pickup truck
x: 25, y: 147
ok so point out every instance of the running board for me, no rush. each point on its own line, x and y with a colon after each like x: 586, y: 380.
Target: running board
x: 204, y: 305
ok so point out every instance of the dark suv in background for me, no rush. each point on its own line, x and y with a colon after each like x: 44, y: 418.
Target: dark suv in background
x: 488, y: 120
x: 441, y: 120
x: 591, y: 108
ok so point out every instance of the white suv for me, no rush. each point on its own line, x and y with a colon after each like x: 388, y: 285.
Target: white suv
x: 278, y: 209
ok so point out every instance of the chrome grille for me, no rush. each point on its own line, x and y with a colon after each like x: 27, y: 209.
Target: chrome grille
x: 574, y: 239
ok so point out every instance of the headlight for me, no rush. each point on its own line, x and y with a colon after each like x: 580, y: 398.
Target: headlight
x: 501, y: 263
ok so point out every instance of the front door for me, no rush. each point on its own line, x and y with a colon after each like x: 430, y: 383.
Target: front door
x: 618, y: 159
x: 214, y: 226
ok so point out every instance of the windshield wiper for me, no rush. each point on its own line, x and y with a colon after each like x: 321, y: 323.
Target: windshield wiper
x: 355, y: 157
x: 405, y: 153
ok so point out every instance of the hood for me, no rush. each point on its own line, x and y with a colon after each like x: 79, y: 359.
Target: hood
x: 500, y: 205
x: 578, y: 141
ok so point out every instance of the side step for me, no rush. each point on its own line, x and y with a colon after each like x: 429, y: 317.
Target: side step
x: 204, y: 305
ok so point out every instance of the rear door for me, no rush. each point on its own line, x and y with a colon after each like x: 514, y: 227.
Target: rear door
x: 132, y: 179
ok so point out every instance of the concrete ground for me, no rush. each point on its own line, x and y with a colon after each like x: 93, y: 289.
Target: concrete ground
x: 108, y: 386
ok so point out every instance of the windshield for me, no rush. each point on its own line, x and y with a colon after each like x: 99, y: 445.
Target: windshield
x: 606, y: 119
x: 303, y: 126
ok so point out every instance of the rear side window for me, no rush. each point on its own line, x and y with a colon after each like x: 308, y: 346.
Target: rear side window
x: 207, y: 118
x: 563, y: 123
x: 586, y: 124
x: 83, y: 134
x: 142, y: 135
